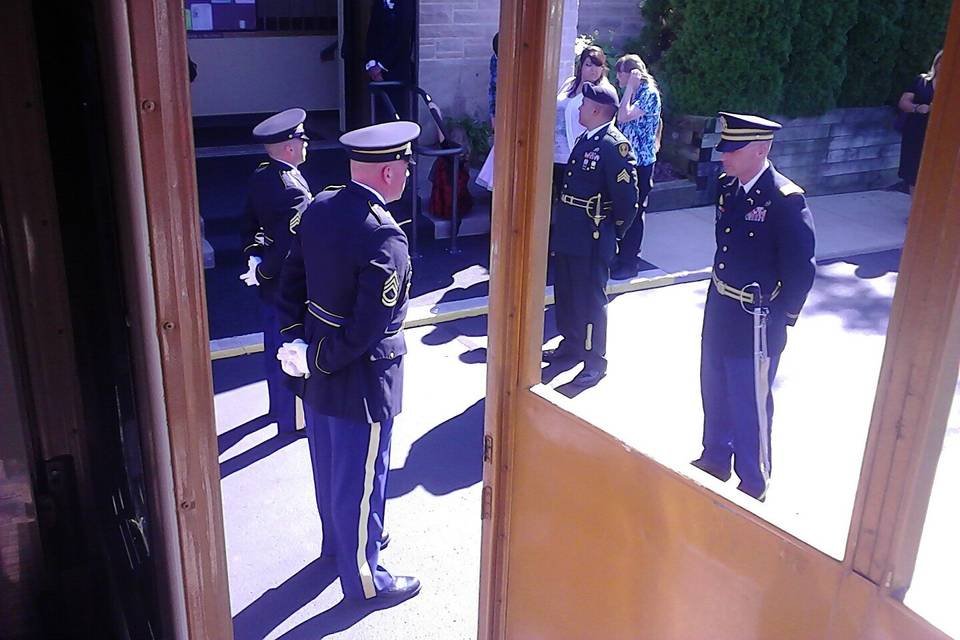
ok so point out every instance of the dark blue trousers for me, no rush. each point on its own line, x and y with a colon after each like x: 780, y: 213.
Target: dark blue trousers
x: 581, y: 305
x: 283, y: 403
x: 350, y: 462
x: 630, y: 245
x: 731, y: 426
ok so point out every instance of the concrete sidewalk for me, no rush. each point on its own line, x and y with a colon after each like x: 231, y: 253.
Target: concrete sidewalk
x: 680, y: 244
x: 279, y: 589
x: 847, y: 224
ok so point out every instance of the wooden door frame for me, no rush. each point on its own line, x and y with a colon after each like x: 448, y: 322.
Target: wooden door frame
x: 145, y: 70
x: 916, y: 380
x: 919, y: 370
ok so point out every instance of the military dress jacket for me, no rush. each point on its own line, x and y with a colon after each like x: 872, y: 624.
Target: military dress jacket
x: 765, y: 237
x: 599, y: 197
x: 344, y: 290
x: 276, y: 199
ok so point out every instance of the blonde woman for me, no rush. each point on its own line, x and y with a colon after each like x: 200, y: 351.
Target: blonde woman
x: 915, y: 103
x: 638, y: 118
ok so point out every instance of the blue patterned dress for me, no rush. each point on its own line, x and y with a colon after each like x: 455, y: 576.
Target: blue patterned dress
x: 642, y: 132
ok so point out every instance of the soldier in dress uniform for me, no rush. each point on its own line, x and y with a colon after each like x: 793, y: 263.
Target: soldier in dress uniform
x: 762, y: 272
x: 390, y: 44
x: 343, y: 298
x: 598, y: 203
x: 277, y: 196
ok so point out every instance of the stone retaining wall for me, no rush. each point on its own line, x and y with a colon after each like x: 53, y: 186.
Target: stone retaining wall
x: 843, y: 150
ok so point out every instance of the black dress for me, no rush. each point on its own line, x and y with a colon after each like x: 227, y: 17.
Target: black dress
x: 914, y: 130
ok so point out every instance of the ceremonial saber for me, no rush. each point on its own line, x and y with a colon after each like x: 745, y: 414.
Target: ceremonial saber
x: 761, y: 375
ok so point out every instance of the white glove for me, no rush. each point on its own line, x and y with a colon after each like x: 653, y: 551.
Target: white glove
x: 250, y: 277
x: 289, y: 369
x: 293, y: 358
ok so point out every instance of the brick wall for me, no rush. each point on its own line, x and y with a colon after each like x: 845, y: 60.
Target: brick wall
x: 455, y: 50
x: 614, y: 21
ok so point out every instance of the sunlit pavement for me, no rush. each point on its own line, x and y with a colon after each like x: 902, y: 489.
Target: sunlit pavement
x: 824, y: 397
x: 273, y: 534
x: 650, y: 400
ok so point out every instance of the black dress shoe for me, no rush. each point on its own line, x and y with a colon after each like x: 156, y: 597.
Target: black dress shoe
x: 403, y: 588
x: 624, y: 270
x: 717, y: 472
x: 760, y: 496
x: 589, y: 377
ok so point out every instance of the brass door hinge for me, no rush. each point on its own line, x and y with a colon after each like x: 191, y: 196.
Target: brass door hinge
x: 486, y: 503
x: 487, y: 448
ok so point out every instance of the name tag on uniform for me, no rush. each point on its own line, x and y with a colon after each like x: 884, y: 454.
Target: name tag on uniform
x: 590, y: 159
x: 756, y: 215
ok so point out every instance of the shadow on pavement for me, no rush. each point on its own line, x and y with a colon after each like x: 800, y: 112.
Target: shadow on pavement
x: 474, y: 356
x: 835, y: 292
x: 340, y: 617
x: 447, y: 458
x: 264, y: 614
x: 233, y: 373
x: 448, y: 331
x: 875, y: 265
x: 552, y: 370
x: 258, y: 452
x: 235, y: 435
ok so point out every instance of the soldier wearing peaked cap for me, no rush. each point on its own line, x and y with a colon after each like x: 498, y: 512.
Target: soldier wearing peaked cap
x: 763, y: 270
x: 343, y: 298
x: 598, y: 203
x: 277, y: 196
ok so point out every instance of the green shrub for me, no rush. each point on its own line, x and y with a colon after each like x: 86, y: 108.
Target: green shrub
x: 730, y: 55
x: 924, y: 28
x: 661, y: 23
x: 871, y: 53
x: 476, y: 133
x: 818, y: 61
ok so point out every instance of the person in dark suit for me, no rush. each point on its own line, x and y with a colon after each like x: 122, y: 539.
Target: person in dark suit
x: 598, y: 203
x: 277, y: 196
x: 915, y: 105
x: 343, y: 298
x: 390, y: 42
x: 763, y: 270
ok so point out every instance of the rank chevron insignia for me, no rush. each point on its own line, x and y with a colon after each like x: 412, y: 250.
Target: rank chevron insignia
x: 391, y: 291
x: 623, y: 176
x: 301, y: 206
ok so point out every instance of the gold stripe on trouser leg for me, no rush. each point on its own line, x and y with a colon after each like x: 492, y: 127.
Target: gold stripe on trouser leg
x: 761, y: 373
x: 588, y: 342
x: 363, y: 567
